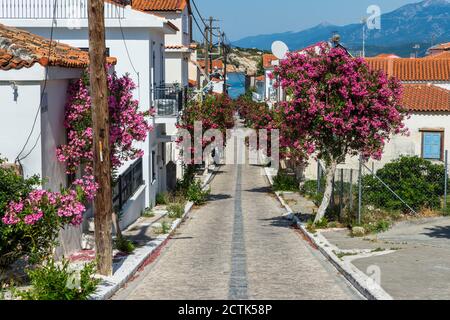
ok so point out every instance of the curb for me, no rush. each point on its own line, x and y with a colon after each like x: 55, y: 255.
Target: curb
x: 365, y: 285
x: 132, y: 263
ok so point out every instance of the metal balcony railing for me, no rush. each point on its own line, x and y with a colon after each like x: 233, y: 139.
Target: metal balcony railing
x: 65, y: 9
x: 127, y: 184
x: 168, y: 100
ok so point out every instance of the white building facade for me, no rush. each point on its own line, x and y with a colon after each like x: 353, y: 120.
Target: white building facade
x: 137, y: 39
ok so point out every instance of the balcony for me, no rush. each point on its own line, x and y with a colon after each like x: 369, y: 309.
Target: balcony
x: 169, y: 100
x: 65, y: 9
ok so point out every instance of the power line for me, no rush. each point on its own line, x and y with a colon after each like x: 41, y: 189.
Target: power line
x: 198, y: 26
x: 44, y: 87
x: 128, y: 54
x: 199, y: 14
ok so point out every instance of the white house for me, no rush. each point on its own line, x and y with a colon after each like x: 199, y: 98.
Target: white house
x: 32, y: 106
x: 137, y: 38
x: 178, y: 50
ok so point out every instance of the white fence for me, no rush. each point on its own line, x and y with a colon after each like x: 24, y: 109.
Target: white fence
x: 45, y: 9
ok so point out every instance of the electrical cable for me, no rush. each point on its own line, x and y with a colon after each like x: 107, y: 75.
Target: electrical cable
x: 198, y: 12
x: 129, y: 57
x: 44, y: 87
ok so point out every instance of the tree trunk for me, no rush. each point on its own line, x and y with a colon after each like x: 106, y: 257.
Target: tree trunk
x: 331, y: 170
x: 117, y: 225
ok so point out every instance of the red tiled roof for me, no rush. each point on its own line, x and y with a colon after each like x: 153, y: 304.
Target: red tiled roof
x: 261, y: 78
x: 159, y: 5
x: 216, y: 63
x: 192, y: 83
x: 20, y: 48
x: 175, y: 47
x: 441, y: 46
x: 425, y: 98
x: 413, y: 69
x: 267, y: 60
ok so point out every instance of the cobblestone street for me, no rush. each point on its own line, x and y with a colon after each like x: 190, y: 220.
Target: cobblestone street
x: 238, y: 247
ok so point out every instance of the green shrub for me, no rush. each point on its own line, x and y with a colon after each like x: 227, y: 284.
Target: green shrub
x: 124, y: 245
x: 309, y: 190
x: 162, y: 198
x: 56, y: 281
x: 176, y: 210
x: 285, y: 182
x: 165, y: 227
x: 196, y: 194
x: 419, y: 182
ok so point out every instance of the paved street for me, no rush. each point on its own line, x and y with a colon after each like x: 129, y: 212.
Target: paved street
x: 237, y: 247
x: 418, y: 267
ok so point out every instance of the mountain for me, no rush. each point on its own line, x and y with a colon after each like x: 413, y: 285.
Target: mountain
x: 424, y: 23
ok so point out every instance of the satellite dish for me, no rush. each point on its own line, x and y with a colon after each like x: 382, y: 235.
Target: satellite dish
x: 280, y: 49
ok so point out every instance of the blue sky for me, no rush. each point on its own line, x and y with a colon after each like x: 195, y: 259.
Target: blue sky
x: 241, y: 18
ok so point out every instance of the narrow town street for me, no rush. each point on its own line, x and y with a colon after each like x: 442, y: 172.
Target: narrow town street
x: 238, y: 247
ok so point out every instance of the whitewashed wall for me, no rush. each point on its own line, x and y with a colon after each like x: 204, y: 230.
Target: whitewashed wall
x: 17, y: 113
x: 16, y: 120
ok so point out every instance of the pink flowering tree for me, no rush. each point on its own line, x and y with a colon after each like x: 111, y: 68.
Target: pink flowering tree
x: 128, y: 125
x: 336, y: 107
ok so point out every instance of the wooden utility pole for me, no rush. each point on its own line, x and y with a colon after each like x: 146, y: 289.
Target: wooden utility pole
x: 211, y: 44
x: 206, y: 54
x: 225, y: 62
x: 100, y: 124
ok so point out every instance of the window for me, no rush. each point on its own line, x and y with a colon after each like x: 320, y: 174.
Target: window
x: 432, y: 144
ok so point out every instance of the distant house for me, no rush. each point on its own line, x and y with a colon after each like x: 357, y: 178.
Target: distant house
x: 29, y: 97
x: 177, y: 45
x: 439, y: 48
x: 272, y: 94
x: 260, y: 86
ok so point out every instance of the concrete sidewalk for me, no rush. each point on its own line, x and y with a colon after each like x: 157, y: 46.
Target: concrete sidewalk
x: 238, y: 247
x: 418, y: 267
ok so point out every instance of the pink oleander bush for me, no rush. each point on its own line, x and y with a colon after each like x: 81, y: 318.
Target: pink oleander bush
x: 30, y: 218
x: 127, y: 126
x: 215, y: 112
x: 336, y: 107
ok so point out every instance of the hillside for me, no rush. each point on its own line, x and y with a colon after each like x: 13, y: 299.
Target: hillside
x: 424, y: 23
x: 245, y: 60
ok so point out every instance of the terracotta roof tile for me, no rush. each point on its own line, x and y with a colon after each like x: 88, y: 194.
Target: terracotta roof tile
x: 267, y: 60
x: 216, y: 63
x: 425, y: 98
x: 176, y: 47
x: 159, y: 5
x: 387, y: 55
x: 441, y: 46
x: 413, y: 69
x: 20, y: 48
x: 439, y: 55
